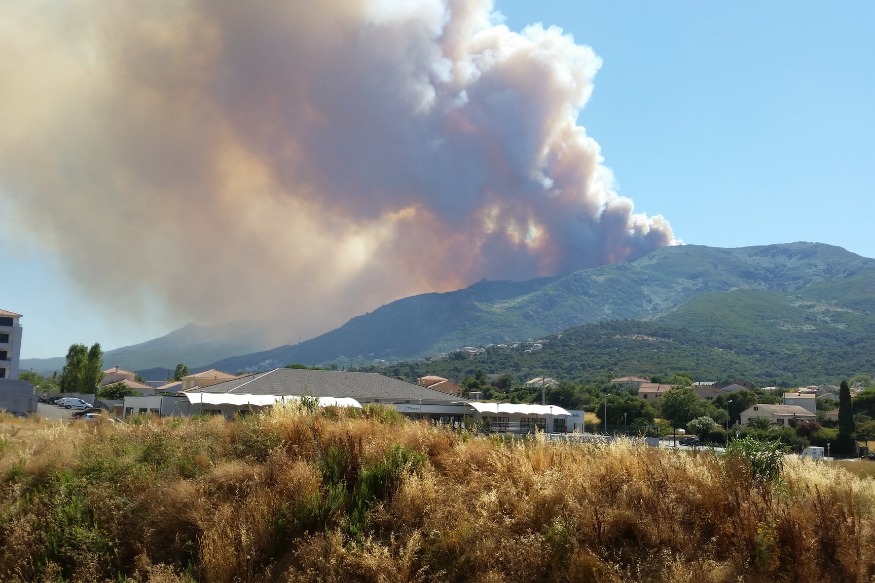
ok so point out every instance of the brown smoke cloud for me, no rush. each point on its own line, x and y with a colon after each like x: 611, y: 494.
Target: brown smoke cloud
x: 301, y: 160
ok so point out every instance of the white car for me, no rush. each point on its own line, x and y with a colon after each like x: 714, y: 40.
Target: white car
x: 93, y: 417
x: 77, y: 403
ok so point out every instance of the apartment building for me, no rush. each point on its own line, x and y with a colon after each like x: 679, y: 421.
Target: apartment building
x: 10, y: 344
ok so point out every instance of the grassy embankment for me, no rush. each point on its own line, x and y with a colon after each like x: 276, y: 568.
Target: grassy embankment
x: 298, y: 496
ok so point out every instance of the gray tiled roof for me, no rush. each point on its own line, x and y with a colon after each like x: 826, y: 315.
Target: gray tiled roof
x: 363, y: 386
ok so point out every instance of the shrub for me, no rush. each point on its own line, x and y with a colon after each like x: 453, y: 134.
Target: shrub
x: 764, y: 458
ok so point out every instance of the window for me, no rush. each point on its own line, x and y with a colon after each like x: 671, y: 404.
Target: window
x: 2, y: 373
x: 4, y: 338
x: 559, y: 425
x: 5, y: 321
x: 4, y: 355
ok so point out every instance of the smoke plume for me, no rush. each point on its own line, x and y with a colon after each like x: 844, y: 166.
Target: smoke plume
x: 308, y: 160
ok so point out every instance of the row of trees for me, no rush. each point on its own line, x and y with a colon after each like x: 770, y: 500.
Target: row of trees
x: 83, y: 372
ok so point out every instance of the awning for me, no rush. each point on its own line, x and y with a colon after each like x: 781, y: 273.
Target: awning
x: 264, y: 400
x: 511, y: 408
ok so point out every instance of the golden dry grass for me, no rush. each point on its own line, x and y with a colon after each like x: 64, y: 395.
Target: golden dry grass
x: 331, y: 496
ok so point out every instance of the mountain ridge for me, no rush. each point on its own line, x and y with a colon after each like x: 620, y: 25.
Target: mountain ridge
x: 647, y: 288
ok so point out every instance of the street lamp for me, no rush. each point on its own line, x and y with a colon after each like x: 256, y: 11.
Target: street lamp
x: 606, y: 413
x: 625, y: 427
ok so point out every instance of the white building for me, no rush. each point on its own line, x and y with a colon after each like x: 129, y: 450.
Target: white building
x: 777, y: 414
x: 10, y: 344
x: 805, y: 400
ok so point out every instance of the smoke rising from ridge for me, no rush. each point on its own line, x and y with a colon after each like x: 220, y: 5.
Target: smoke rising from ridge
x: 310, y: 160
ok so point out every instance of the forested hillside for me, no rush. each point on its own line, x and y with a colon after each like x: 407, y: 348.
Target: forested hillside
x: 835, y: 284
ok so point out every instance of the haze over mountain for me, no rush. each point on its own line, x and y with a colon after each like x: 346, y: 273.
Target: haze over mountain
x: 700, y: 289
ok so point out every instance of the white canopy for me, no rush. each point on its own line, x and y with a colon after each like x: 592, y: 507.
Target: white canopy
x: 511, y: 408
x: 263, y: 400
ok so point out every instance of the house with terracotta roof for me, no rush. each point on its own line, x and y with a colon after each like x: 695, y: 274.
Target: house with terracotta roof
x: 116, y: 374
x: 653, y: 391
x: 441, y: 384
x: 205, y: 379
x: 10, y: 344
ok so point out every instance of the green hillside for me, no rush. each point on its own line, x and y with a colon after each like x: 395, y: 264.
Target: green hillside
x: 677, y: 286
x: 767, y: 337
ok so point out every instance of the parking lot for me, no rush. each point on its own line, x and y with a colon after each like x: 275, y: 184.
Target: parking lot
x: 52, y: 411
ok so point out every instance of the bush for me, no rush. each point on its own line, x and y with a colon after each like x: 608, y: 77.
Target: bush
x: 765, y: 458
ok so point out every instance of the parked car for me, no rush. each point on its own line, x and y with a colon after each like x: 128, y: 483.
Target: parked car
x: 77, y: 403
x: 83, y: 412
x: 94, y: 417
x: 61, y: 401
x: 693, y: 441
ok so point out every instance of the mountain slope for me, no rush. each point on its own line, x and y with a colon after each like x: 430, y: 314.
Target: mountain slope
x: 497, y: 312
x: 766, y: 337
x: 193, y: 345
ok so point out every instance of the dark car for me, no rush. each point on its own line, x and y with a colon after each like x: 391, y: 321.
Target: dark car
x: 83, y: 412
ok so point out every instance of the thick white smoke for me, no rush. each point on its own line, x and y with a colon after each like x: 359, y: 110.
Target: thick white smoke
x: 301, y: 160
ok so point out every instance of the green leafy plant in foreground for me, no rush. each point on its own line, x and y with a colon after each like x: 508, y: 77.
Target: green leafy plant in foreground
x: 765, y: 458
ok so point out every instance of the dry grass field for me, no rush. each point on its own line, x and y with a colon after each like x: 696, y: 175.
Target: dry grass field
x: 325, y: 495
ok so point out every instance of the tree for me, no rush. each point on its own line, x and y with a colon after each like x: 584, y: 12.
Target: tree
x: 701, y: 425
x: 760, y: 423
x: 116, y: 392
x: 83, y: 370
x: 181, y: 371
x: 866, y: 431
x: 864, y: 402
x: 845, y: 442
x: 682, y: 405
x: 42, y: 384
x: 736, y: 403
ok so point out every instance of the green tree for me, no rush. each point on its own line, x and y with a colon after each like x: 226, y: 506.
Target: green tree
x: 866, y: 430
x: 845, y: 442
x: 83, y: 370
x: 760, y: 423
x: 864, y: 402
x: 181, y: 371
x: 42, y: 384
x: 115, y: 392
x: 701, y: 425
x: 682, y: 405
x: 681, y: 380
x: 503, y: 383
x: 736, y: 403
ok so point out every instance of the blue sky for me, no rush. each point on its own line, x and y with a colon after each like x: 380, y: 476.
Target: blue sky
x: 741, y: 123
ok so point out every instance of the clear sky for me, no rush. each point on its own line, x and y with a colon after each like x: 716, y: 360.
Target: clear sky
x: 741, y: 123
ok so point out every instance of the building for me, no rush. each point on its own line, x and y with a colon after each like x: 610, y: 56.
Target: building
x: 631, y: 382
x: 16, y: 396
x: 777, y: 414
x: 439, y: 384
x: 205, y: 379
x: 653, y: 391
x: 805, y: 400
x: 116, y: 374
x: 359, y: 388
x: 10, y: 344
x: 539, y: 382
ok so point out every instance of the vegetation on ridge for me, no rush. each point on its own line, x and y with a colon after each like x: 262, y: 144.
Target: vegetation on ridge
x: 327, y: 495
